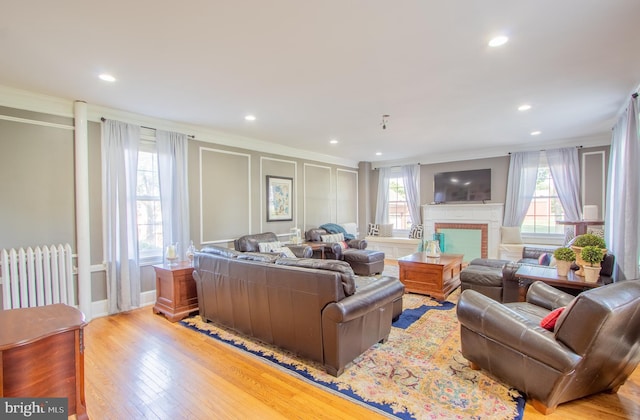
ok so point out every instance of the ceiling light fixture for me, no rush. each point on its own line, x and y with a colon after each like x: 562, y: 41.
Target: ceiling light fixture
x: 378, y: 153
x: 333, y: 141
x: 250, y: 117
x: 385, y: 121
x: 536, y: 133
x: 498, y: 41
x: 107, y: 77
x: 524, y: 107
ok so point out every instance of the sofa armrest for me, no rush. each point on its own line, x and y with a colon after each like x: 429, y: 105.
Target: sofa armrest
x: 491, y: 319
x: 301, y: 251
x: 489, y: 262
x: 367, y: 299
x: 510, y: 284
x: 543, y: 295
x: 357, y: 243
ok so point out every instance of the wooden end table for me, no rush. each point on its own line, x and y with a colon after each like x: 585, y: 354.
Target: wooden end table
x: 527, y: 274
x: 176, y: 294
x: 436, y: 277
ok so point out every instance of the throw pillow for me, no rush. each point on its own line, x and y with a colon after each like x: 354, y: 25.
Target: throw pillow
x: 416, y: 232
x: 336, y: 237
x: 269, y: 246
x: 343, y: 245
x: 553, y: 262
x: 544, y: 259
x: 549, y: 321
x: 510, y: 235
x: 285, y: 252
x: 373, y: 229
x: 386, y: 230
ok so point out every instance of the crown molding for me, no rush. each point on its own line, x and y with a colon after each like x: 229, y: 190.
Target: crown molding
x: 21, y: 99
x: 603, y: 139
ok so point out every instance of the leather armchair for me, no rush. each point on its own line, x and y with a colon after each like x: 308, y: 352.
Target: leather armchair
x: 594, y: 346
x: 333, y: 250
x: 250, y: 243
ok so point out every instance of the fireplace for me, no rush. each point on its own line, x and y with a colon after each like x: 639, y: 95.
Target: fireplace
x: 482, y: 223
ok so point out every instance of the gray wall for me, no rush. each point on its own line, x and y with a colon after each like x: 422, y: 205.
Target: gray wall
x: 227, y: 188
x: 593, y: 165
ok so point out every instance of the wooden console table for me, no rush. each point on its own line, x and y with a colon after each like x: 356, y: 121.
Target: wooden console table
x: 176, y: 294
x: 42, y: 355
x: 580, y: 226
x: 436, y: 277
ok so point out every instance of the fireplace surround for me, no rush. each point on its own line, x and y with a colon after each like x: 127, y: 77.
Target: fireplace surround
x: 485, y: 217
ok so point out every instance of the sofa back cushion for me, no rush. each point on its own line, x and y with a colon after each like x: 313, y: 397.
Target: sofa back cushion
x: 605, y: 319
x: 218, y: 250
x: 345, y: 270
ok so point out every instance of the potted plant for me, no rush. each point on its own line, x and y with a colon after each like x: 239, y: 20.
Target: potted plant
x: 591, y: 255
x: 564, y: 257
x: 588, y: 239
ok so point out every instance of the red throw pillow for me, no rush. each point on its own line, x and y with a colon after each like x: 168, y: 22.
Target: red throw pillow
x: 549, y: 321
x: 343, y: 245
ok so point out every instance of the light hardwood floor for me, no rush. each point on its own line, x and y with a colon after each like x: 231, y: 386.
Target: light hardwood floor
x: 139, y: 365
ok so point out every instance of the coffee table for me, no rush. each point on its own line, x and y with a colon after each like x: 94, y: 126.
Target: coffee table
x: 527, y: 274
x: 436, y: 277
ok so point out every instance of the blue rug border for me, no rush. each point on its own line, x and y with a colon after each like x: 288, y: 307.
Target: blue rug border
x: 386, y: 408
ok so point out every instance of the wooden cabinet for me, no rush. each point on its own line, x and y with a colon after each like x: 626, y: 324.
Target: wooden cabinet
x: 42, y: 355
x: 176, y: 295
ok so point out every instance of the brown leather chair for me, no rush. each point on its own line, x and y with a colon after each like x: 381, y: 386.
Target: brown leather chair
x: 594, y: 346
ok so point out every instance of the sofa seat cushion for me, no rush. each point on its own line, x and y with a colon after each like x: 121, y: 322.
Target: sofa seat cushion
x: 482, y: 275
x: 345, y: 270
x: 362, y: 255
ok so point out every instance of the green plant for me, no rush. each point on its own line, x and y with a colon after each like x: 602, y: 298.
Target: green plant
x: 564, y: 254
x: 592, y: 255
x: 589, y: 239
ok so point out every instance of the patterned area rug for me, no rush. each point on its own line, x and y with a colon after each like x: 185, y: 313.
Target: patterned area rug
x: 418, y: 374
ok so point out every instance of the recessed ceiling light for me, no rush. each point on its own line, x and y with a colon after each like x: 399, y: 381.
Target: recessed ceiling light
x: 498, y: 41
x: 378, y: 153
x: 250, y: 117
x: 524, y: 107
x: 536, y: 133
x: 333, y: 141
x: 107, y: 77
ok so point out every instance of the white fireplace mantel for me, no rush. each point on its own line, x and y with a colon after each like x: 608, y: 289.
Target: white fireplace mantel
x: 489, y: 214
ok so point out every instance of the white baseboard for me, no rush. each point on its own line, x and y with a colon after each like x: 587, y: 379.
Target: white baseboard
x: 101, y: 308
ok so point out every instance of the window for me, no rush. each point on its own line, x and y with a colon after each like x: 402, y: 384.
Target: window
x: 148, y: 204
x: 545, y: 208
x: 398, y: 208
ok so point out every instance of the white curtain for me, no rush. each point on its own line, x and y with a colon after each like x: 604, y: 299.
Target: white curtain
x: 411, y: 180
x: 120, y: 232
x: 521, y: 185
x: 565, y: 170
x: 623, y: 194
x: 382, y: 204
x: 174, y: 194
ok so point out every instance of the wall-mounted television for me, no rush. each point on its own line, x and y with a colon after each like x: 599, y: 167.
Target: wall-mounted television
x: 472, y: 185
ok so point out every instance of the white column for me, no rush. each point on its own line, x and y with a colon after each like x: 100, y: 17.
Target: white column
x: 83, y: 233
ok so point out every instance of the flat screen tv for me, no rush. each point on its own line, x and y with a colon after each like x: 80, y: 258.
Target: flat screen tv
x: 473, y: 185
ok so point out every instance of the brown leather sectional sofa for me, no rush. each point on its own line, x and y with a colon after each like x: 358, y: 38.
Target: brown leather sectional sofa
x: 308, y: 306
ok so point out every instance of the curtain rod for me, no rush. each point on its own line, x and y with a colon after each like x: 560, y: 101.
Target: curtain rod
x: 191, y: 136
x: 544, y: 150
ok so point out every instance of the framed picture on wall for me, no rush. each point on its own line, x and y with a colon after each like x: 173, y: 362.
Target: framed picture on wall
x: 279, y: 199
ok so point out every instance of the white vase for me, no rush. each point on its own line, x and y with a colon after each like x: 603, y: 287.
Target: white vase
x: 563, y: 267
x: 591, y: 274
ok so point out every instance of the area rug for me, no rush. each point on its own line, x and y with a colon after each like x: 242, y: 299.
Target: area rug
x: 418, y: 374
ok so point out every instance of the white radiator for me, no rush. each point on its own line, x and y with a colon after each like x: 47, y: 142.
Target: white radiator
x: 37, y: 277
